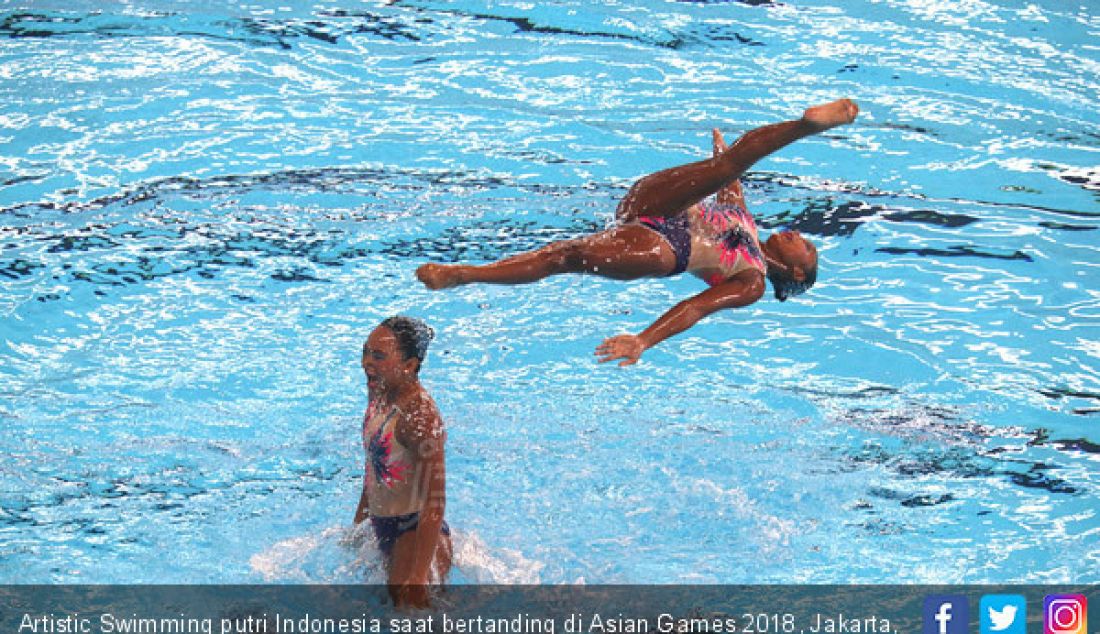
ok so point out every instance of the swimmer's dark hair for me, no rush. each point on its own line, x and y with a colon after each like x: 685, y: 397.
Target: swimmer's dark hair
x: 791, y: 288
x: 413, y: 336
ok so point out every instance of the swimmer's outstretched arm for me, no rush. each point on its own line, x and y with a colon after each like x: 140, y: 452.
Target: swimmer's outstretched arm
x: 740, y: 290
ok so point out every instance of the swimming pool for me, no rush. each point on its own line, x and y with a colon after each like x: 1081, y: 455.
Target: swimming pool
x: 205, y: 210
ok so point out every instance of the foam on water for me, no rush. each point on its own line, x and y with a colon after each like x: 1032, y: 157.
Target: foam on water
x: 309, y: 559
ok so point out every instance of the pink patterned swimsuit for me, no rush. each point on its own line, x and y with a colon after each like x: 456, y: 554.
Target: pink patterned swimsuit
x: 730, y: 228
x: 394, y: 479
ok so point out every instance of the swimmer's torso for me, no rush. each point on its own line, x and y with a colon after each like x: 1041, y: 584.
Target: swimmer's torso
x: 394, y: 478
x: 724, y: 242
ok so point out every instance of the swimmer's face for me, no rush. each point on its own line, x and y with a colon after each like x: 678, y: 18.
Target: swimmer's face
x: 794, y: 255
x: 383, y: 362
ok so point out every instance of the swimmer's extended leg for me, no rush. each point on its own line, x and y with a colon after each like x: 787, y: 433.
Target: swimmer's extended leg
x: 668, y: 192
x: 623, y: 253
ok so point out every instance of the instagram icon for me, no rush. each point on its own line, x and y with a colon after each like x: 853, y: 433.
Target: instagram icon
x: 1065, y: 614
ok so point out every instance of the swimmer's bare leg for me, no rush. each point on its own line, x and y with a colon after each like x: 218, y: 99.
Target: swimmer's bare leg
x: 623, y: 253
x: 732, y: 193
x: 670, y: 191
x: 404, y: 556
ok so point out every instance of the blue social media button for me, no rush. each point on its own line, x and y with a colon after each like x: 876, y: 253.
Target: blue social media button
x: 945, y: 614
x: 1003, y: 614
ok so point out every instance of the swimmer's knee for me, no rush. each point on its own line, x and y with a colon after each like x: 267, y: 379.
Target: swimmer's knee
x: 627, y: 210
x: 570, y: 257
x: 444, y: 556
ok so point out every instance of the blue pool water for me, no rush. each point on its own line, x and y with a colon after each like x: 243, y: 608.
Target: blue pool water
x: 204, y: 211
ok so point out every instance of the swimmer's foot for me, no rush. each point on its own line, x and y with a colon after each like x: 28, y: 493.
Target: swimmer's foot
x: 830, y: 115
x: 717, y: 142
x: 731, y: 194
x: 440, y: 276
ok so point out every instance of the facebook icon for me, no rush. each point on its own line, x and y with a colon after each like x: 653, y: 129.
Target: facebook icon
x: 945, y: 614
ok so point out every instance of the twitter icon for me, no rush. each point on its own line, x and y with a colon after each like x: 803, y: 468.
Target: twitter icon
x: 1003, y: 614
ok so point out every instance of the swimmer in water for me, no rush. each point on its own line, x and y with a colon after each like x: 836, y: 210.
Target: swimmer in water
x: 404, y: 493
x: 665, y: 227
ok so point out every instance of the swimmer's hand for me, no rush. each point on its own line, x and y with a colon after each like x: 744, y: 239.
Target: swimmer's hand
x: 626, y: 347
x: 413, y: 594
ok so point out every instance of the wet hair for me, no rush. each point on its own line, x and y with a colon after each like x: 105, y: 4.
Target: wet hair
x: 412, y: 334
x: 793, y: 288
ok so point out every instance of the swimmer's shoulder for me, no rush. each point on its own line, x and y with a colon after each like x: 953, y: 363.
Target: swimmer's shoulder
x: 420, y: 418
x: 750, y: 281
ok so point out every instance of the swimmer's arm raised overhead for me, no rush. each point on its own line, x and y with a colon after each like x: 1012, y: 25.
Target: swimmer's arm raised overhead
x: 740, y: 290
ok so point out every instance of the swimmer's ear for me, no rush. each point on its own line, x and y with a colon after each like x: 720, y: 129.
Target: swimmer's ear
x: 412, y: 366
x: 796, y: 273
